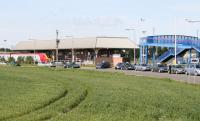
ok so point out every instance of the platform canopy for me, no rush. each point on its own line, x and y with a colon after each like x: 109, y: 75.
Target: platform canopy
x: 78, y: 43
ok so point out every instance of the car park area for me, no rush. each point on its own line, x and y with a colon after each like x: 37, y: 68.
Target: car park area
x: 177, y: 77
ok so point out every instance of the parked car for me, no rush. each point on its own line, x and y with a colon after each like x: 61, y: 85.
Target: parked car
x: 71, y: 65
x: 56, y: 64
x: 142, y: 67
x: 42, y: 64
x: 103, y: 65
x: 118, y: 66
x: 192, y: 69
x: 177, y: 69
x: 159, y: 68
x: 124, y: 66
x: 3, y: 63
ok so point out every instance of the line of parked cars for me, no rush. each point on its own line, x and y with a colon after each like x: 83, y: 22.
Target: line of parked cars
x: 60, y: 64
x: 191, y: 69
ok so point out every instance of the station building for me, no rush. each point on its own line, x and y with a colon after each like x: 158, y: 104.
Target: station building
x: 185, y: 48
x: 85, y: 50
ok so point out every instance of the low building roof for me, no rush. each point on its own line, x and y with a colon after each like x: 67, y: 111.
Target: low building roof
x: 77, y: 43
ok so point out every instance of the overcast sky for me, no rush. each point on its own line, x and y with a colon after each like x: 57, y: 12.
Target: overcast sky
x: 38, y: 19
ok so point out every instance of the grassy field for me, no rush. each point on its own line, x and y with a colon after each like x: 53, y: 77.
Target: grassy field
x: 46, y: 94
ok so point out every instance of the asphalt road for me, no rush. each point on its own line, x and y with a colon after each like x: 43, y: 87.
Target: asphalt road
x: 177, y: 77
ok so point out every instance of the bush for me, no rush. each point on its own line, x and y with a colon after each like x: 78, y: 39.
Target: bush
x: 11, y: 60
x: 29, y: 60
x: 2, y: 59
x: 20, y: 60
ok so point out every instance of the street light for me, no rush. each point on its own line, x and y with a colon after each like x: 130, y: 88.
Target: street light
x: 133, y: 48
x: 175, y: 42
x: 5, y: 45
x: 193, y: 21
x: 143, y: 32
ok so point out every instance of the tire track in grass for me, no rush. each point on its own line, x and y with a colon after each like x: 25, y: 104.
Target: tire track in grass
x: 76, y: 103
x: 69, y: 108
x: 62, y: 95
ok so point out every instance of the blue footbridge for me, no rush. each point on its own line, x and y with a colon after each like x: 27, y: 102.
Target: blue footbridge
x: 183, y: 44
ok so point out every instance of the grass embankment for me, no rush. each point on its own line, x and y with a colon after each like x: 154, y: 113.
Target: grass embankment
x: 38, y: 94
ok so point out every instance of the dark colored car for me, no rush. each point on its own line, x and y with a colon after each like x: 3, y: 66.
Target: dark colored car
x: 103, y: 65
x: 124, y: 66
x: 159, y: 68
x: 177, y: 69
x: 142, y: 67
x: 71, y: 65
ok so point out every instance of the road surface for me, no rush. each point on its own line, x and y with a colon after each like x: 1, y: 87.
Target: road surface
x: 177, y: 77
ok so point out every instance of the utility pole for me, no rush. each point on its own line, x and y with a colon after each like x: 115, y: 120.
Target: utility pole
x: 175, y: 41
x: 134, y: 52
x: 57, y: 44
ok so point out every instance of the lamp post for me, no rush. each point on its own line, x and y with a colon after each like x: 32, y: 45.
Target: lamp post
x: 175, y: 42
x: 192, y: 22
x: 57, y: 44
x: 143, y: 48
x: 5, y: 45
x: 133, y: 48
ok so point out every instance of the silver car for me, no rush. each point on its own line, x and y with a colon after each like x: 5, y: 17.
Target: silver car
x: 142, y: 67
x: 192, y: 69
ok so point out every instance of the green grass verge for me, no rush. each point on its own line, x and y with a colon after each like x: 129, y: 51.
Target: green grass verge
x: 39, y: 94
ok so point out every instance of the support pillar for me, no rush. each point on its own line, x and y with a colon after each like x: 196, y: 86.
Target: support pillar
x: 73, y: 56
x: 96, y: 55
x: 141, y: 48
x: 147, y: 59
x: 190, y: 56
x: 134, y: 56
x: 153, y: 55
x: 197, y: 54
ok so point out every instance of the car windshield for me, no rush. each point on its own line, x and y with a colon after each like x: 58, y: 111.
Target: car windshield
x: 178, y: 66
x: 161, y: 66
x: 197, y: 66
x: 119, y: 64
x: 128, y: 64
